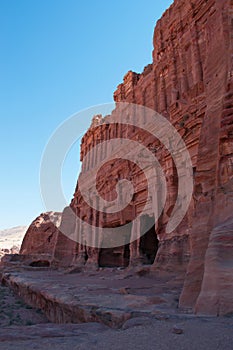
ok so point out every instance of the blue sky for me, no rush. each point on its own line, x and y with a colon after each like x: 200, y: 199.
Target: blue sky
x: 58, y: 57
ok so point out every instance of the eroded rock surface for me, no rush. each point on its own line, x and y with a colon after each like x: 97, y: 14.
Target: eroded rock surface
x: 41, y: 235
x: 110, y: 296
x: 190, y: 82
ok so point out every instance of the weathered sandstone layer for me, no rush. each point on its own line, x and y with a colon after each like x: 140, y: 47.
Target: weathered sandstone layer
x: 190, y: 82
x: 41, y: 235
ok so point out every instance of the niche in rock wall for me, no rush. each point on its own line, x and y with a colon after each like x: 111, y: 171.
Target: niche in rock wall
x: 117, y: 256
x: 40, y: 263
x: 148, y: 246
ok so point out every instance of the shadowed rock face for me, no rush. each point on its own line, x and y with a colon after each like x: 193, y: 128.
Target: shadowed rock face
x: 216, y: 291
x: 190, y: 82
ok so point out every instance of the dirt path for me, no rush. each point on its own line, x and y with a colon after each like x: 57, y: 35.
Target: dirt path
x: 25, y: 328
x: 14, y: 311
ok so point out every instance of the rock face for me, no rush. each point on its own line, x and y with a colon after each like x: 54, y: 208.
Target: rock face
x: 190, y: 82
x: 212, y: 230
x: 109, y: 297
x: 41, y: 235
x: 216, y: 291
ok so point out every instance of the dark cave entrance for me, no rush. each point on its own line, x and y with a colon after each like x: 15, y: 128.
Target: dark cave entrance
x: 117, y: 256
x: 149, y: 243
x: 40, y: 263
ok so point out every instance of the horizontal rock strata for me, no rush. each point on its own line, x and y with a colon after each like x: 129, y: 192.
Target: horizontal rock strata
x: 190, y: 83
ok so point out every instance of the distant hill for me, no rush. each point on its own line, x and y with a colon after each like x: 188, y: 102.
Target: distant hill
x: 11, y: 239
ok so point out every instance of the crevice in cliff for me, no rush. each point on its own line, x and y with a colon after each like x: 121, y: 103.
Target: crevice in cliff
x: 40, y: 263
x: 148, y: 245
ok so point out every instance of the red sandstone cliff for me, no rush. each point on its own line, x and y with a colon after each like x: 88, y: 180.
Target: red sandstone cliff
x: 190, y: 83
x: 210, y: 270
x: 41, y: 235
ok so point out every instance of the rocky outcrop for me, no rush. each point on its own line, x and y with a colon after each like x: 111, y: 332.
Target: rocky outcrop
x: 110, y: 297
x: 190, y: 83
x: 41, y: 235
x: 172, y: 85
x: 13, y: 250
x: 214, y: 172
x: 216, y: 291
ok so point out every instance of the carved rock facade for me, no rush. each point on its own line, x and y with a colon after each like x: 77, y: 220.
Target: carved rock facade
x: 190, y: 82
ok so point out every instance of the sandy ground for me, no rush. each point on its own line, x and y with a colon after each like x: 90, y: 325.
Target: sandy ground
x: 198, y: 334
x: 13, y: 311
x: 25, y: 328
